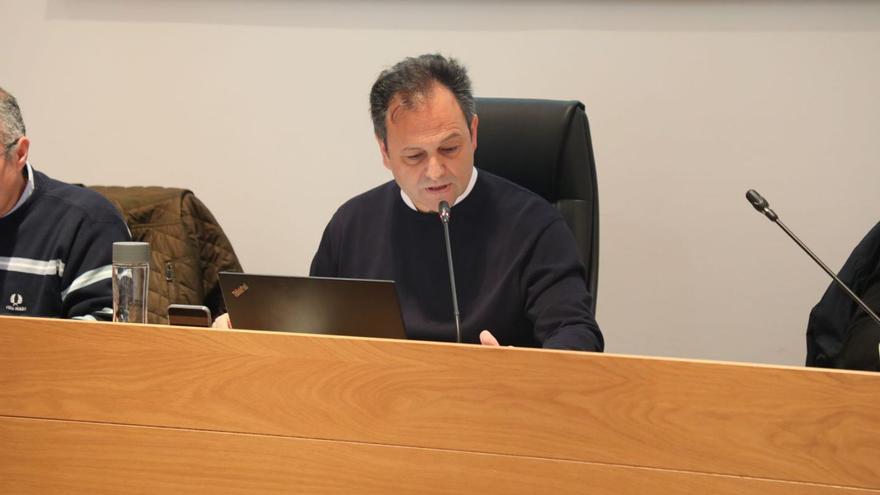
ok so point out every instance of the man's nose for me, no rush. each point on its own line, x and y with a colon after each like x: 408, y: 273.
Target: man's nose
x: 436, y: 168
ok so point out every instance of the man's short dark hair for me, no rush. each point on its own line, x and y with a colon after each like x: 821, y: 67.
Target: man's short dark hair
x: 11, y: 123
x: 413, y: 78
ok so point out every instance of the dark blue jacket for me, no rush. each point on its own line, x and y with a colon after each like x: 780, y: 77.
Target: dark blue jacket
x: 56, y: 251
x: 840, y: 334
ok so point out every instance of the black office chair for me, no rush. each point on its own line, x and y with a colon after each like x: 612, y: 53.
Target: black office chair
x: 545, y: 146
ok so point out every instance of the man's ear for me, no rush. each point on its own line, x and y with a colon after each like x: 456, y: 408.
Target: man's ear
x: 383, y: 150
x: 20, y: 155
x: 475, y: 121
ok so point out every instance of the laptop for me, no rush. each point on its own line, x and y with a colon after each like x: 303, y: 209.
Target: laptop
x: 330, y: 306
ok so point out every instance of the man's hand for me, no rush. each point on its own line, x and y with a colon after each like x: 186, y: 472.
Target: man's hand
x: 222, y: 322
x: 486, y: 338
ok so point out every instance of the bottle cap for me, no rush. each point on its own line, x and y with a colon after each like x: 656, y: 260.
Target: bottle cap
x: 131, y: 252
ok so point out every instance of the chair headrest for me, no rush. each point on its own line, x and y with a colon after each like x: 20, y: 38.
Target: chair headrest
x: 528, y: 141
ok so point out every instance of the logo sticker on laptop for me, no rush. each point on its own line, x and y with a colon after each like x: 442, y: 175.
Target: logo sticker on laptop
x: 241, y: 289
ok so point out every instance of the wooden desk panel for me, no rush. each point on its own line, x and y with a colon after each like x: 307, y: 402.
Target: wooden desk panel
x: 761, y: 422
x: 48, y: 456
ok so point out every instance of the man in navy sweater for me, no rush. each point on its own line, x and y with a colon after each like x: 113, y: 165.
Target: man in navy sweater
x: 56, y: 239
x: 518, y: 276
x: 519, y: 279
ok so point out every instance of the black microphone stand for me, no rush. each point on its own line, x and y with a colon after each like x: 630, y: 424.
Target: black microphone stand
x: 763, y: 206
x: 443, y: 209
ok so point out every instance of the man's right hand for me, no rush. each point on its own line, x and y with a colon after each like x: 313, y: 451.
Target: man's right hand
x: 222, y: 322
x: 486, y: 338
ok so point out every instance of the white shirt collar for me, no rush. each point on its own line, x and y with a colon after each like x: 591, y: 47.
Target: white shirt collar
x: 458, y: 200
x: 28, y: 190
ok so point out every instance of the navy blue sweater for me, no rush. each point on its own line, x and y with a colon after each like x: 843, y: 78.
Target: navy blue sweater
x: 56, y: 251
x: 516, y: 265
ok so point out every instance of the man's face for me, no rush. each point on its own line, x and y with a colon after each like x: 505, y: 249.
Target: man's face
x: 12, y: 182
x: 430, y: 148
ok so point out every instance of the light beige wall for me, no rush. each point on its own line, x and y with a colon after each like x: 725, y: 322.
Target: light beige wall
x: 260, y: 107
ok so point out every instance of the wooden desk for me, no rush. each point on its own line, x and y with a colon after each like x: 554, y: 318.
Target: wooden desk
x: 106, y: 408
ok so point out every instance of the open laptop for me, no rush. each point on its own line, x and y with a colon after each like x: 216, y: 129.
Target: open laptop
x: 333, y: 306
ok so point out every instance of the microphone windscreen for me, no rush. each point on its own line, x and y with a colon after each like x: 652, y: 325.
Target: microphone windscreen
x: 756, y: 200
x: 443, y: 209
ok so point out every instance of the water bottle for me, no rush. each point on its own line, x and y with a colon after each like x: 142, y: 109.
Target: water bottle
x: 131, y: 275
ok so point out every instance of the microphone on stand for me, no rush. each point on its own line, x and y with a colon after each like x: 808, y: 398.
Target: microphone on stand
x: 761, y: 205
x: 444, y: 211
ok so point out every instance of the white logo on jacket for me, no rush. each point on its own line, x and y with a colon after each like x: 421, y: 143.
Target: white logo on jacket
x: 15, y: 303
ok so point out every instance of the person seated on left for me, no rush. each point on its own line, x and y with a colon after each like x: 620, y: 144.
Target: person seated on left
x: 56, y: 239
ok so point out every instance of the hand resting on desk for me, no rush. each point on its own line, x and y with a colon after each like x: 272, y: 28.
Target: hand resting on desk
x: 222, y: 322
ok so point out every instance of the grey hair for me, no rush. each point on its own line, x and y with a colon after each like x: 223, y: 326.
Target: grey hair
x: 11, y: 123
x: 412, y: 78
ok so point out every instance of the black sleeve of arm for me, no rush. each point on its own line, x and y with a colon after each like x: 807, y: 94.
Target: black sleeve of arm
x: 325, y: 263
x: 838, y: 329
x: 557, y: 300
x: 860, y: 347
x: 86, y: 286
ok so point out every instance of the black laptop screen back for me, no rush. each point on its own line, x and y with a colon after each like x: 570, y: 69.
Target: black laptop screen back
x: 334, y: 306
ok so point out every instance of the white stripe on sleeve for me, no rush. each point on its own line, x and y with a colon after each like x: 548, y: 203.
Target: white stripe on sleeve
x: 32, y: 266
x: 88, y: 278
